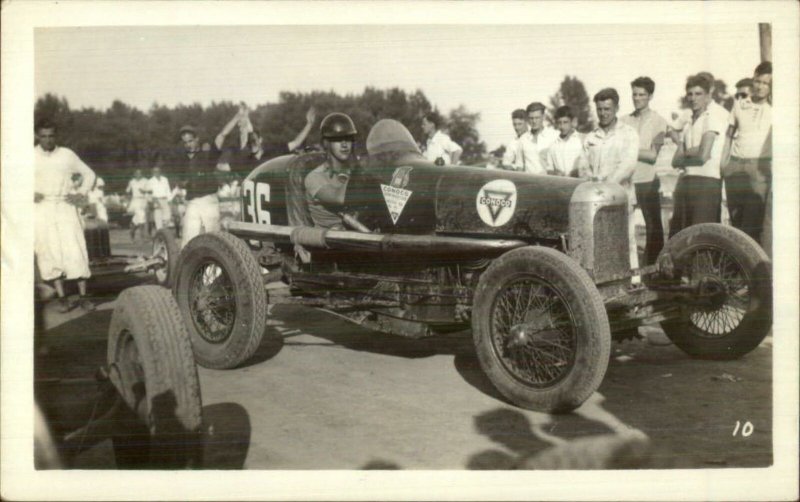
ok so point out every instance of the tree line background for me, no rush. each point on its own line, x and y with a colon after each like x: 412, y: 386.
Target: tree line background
x: 122, y: 138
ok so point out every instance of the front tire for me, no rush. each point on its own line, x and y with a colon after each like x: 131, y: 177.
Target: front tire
x: 736, y: 274
x: 540, y: 329
x: 221, y: 293
x: 151, y: 365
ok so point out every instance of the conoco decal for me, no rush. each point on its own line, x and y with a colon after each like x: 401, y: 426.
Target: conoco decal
x: 496, y: 202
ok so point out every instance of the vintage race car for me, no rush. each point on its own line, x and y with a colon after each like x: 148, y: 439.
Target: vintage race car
x: 536, y: 266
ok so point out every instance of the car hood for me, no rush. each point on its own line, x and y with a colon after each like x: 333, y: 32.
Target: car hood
x: 401, y: 191
x: 419, y: 197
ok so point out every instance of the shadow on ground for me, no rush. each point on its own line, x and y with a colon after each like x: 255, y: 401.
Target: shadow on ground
x: 530, y: 441
x: 227, y: 436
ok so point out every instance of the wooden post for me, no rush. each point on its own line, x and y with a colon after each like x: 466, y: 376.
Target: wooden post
x: 765, y: 39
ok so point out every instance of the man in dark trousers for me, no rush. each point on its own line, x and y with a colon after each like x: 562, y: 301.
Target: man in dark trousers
x: 651, y: 128
x: 194, y: 169
x: 747, y: 157
x: 697, y: 195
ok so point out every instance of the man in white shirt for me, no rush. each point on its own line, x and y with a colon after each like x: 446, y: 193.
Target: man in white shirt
x: 159, y: 191
x: 564, y: 155
x: 651, y: 128
x: 137, y: 188
x: 513, y: 158
x: 747, y: 155
x: 439, y: 148
x: 534, y: 146
x: 610, y: 154
x: 697, y: 195
x: 59, y: 242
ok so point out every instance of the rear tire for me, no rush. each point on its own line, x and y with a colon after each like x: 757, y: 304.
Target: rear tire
x: 732, y: 263
x: 151, y: 365
x: 165, y: 245
x: 541, y: 330
x: 221, y: 294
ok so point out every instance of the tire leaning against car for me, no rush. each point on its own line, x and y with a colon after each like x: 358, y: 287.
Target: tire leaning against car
x: 220, y: 291
x: 546, y: 294
x: 728, y: 259
x: 151, y: 365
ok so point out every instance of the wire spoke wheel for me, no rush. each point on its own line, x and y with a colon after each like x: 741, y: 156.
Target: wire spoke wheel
x: 160, y: 251
x: 720, y: 316
x: 533, y: 332
x: 732, y: 277
x: 165, y: 246
x: 540, y: 329
x: 220, y: 290
x: 212, y: 302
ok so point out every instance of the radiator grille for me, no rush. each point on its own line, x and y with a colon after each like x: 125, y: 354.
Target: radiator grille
x: 610, y: 242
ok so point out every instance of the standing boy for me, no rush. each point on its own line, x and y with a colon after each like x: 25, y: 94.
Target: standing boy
x: 651, y: 128
x: 564, y: 154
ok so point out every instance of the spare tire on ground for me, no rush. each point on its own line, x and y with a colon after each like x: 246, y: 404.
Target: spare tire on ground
x: 152, y: 367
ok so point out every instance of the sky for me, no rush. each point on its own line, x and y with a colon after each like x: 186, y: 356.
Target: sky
x: 491, y: 69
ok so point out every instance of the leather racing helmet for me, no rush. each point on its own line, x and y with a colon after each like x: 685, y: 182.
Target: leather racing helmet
x: 337, y: 126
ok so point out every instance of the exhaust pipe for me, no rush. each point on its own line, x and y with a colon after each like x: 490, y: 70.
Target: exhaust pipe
x: 346, y: 240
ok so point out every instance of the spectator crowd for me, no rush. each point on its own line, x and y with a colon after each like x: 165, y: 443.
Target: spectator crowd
x: 720, y: 155
x: 716, y: 153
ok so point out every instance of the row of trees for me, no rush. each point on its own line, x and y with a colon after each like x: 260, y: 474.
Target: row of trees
x: 122, y: 138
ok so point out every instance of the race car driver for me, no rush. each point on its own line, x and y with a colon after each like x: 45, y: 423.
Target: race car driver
x: 326, y: 185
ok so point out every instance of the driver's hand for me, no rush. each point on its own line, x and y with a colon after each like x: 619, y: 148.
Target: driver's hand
x: 311, y: 115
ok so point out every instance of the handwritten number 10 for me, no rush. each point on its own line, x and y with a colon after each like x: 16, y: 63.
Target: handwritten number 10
x: 747, y: 429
